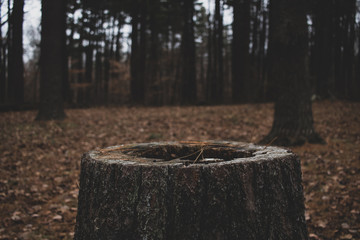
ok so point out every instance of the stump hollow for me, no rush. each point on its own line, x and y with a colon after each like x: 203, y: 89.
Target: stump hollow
x: 190, y: 190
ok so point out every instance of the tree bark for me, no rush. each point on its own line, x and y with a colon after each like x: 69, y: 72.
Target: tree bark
x: 324, y: 47
x: 154, y: 95
x: 134, y: 60
x: 190, y: 190
x: 53, y: 48
x: 89, y: 65
x: 143, y: 49
x: 240, y: 57
x: 188, y: 55
x: 15, y: 54
x: 288, y: 48
x: 106, y: 72
x: 2, y: 63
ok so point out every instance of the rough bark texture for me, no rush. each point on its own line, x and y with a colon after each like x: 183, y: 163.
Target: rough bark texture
x: 190, y: 190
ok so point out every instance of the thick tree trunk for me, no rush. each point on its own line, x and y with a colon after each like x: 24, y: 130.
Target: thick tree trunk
x: 53, y: 48
x: 288, y: 75
x: 190, y: 190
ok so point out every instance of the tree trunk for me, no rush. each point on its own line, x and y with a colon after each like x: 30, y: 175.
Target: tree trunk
x: 210, y: 71
x: 262, y: 56
x: 357, y: 80
x: 2, y: 63
x: 89, y: 63
x: 53, y: 45
x: 188, y: 84
x: 134, y: 60
x: 106, y: 72
x: 190, y: 190
x: 323, y: 47
x: 288, y: 47
x: 219, y: 59
x: 154, y: 95
x: 98, y: 75
x: 240, y: 57
x: 142, y: 73
x: 349, y: 50
x: 15, y: 55
x: 339, y: 38
x: 118, y: 44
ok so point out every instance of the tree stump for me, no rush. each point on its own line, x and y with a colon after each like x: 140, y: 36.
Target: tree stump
x: 191, y: 190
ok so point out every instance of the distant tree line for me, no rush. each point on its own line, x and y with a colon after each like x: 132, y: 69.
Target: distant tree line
x: 179, y: 52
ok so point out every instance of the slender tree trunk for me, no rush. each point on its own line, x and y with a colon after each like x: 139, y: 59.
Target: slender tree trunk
x: 339, y: 38
x: 142, y: 73
x: 67, y: 93
x: 288, y: 48
x: 357, y: 85
x: 53, y: 25
x: 240, y: 59
x: 153, y: 96
x: 323, y: 48
x: 255, y: 29
x: 134, y: 67
x: 117, y: 42
x: 112, y: 38
x: 80, y: 69
x: 8, y: 51
x: 16, y: 65
x: 98, y: 75
x: 2, y: 63
x: 202, y: 75
x: 89, y: 70
x: 106, y: 72
x: 262, y: 56
x: 219, y: 59
x: 349, y: 46
x: 254, y: 84
x: 210, y: 70
x: 188, y: 87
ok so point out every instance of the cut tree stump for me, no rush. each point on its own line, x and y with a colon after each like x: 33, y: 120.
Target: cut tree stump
x: 191, y: 190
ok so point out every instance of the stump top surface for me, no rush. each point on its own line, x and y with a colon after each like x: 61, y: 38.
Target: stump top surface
x: 187, y: 153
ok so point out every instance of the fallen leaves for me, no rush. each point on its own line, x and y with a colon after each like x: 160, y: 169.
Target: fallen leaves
x: 40, y: 162
x: 322, y: 223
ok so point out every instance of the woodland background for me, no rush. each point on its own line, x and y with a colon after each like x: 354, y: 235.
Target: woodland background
x: 161, y: 70
x: 178, y: 52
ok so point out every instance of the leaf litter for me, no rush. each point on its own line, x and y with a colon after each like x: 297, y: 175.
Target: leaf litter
x: 40, y: 161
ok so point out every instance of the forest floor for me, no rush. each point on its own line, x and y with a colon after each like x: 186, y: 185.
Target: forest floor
x: 40, y: 161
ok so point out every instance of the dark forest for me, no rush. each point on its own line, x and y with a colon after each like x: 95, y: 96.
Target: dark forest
x: 108, y: 73
x: 180, y: 53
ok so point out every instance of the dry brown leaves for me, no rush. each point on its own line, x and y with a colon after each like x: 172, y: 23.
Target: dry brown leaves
x: 40, y: 161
